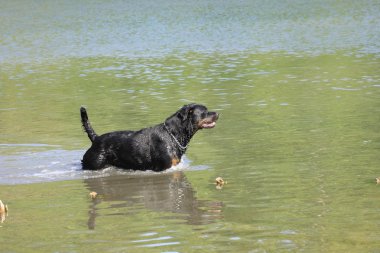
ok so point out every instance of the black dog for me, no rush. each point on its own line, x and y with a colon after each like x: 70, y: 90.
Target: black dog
x: 156, y: 148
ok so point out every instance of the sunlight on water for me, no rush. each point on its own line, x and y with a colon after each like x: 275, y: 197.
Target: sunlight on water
x: 297, y: 86
x: 87, y: 29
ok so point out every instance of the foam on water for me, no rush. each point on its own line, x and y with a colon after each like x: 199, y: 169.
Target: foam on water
x: 58, y: 164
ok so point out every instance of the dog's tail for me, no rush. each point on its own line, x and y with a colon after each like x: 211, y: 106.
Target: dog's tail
x: 86, y: 124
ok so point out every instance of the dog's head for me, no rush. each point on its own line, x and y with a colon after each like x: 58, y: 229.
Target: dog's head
x: 197, y: 116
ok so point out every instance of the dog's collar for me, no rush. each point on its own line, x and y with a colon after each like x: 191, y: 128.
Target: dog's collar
x: 183, y: 148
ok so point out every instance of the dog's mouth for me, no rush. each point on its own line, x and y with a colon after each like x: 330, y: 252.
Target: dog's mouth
x: 209, y: 122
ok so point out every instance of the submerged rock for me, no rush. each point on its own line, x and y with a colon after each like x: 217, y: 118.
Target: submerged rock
x: 220, y: 183
x: 3, y: 211
x: 93, y: 195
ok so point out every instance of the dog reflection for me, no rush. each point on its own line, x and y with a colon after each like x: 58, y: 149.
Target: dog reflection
x: 167, y: 192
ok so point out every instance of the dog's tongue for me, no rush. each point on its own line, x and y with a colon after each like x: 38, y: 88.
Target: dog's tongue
x: 208, y: 125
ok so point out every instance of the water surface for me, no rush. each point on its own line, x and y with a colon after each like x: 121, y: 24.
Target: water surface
x: 297, y: 86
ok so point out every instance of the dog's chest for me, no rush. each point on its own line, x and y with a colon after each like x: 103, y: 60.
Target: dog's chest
x: 174, y: 156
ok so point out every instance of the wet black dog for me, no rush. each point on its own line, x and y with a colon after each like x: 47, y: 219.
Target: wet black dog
x: 155, y: 148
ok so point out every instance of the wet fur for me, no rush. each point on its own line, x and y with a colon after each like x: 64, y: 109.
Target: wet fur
x: 155, y: 148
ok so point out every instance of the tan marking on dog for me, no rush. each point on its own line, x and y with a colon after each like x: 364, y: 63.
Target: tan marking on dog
x: 175, y: 161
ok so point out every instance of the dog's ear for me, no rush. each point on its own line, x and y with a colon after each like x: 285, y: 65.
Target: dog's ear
x: 185, y: 111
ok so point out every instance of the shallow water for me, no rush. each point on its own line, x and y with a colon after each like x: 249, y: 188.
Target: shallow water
x: 297, y: 85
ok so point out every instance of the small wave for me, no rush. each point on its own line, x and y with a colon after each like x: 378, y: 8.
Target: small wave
x: 59, y: 165
x: 111, y: 171
x: 43, y: 166
x: 345, y: 89
x: 26, y: 145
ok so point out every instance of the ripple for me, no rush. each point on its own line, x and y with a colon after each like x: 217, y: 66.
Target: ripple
x: 57, y: 165
x: 345, y: 89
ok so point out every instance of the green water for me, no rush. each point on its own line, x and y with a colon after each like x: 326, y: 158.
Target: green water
x: 297, y: 141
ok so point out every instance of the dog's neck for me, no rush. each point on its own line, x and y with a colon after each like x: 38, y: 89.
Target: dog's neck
x: 180, y: 135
